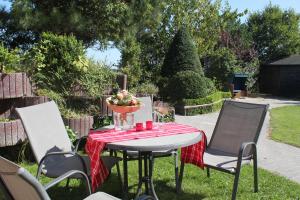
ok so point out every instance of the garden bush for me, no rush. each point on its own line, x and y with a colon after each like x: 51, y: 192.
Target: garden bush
x: 182, y: 55
x: 97, y: 79
x: 57, y: 62
x: 145, y: 89
x: 188, y: 84
x: 222, y: 65
x: 9, y: 60
x: 182, y: 74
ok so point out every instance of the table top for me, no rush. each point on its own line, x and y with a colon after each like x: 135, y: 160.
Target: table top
x: 157, y: 143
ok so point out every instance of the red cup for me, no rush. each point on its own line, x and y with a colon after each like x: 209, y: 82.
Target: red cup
x: 149, y: 125
x: 139, y: 126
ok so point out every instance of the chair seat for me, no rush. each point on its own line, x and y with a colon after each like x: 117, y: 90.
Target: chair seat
x: 222, y: 160
x: 101, y: 196
x: 54, y: 167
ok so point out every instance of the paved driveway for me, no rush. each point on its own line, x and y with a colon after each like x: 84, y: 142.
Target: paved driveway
x: 277, y: 157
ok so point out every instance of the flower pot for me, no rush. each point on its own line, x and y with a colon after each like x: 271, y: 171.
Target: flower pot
x: 30, y: 101
x: 11, y: 133
x: 81, y: 126
x: 14, y: 85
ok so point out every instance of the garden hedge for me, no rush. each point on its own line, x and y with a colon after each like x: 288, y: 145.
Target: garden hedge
x: 203, y: 105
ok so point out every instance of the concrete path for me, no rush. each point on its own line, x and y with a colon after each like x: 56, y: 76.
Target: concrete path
x: 277, y: 157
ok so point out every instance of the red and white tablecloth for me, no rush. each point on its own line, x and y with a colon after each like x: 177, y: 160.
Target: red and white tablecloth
x: 97, y: 140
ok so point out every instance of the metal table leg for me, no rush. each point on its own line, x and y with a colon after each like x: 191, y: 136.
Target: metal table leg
x: 140, y: 184
x: 147, y: 177
x: 151, y: 163
x: 125, y: 171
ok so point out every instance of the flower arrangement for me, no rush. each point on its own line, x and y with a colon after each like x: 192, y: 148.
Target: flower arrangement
x: 124, y: 98
x: 123, y: 102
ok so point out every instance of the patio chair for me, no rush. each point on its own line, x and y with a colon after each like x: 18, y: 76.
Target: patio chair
x: 144, y: 114
x: 233, y: 142
x: 51, y: 145
x: 18, y: 184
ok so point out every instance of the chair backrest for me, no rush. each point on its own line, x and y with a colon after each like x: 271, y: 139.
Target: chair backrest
x: 19, y: 184
x: 45, y: 129
x: 238, y: 122
x: 145, y: 113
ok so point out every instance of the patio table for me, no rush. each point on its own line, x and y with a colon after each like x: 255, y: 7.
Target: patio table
x: 167, y: 136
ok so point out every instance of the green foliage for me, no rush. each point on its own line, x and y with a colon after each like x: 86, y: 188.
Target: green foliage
x: 59, y: 100
x: 4, y: 119
x: 58, y: 63
x: 188, y: 84
x: 130, y: 63
x: 102, y: 121
x: 9, y: 60
x: 72, y: 135
x: 66, y: 109
x: 223, y: 64
x: 97, y: 78
x: 145, y: 89
x: 87, y: 20
x: 182, y: 55
x: 276, y: 33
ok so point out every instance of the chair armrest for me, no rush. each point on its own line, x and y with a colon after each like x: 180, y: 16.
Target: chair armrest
x: 78, y: 143
x: 242, y: 149
x: 67, y: 175
x: 60, y: 153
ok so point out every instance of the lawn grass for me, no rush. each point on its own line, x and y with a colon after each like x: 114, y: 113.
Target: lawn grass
x: 195, y: 184
x: 285, y: 125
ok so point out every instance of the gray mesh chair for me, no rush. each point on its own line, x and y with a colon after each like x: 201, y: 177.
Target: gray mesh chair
x: 50, y: 143
x: 144, y: 114
x: 234, y: 139
x: 18, y: 184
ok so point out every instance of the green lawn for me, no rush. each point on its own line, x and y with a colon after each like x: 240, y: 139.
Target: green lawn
x: 195, y: 184
x: 285, y: 125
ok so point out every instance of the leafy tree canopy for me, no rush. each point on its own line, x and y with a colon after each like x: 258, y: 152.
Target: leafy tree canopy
x: 275, y: 32
x: 88, y: 20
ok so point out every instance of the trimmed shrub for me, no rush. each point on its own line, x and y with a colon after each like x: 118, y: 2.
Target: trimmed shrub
x: 208, y: 99
x: 214, y: 100
x: 188, y: 84
x: 182, y: 56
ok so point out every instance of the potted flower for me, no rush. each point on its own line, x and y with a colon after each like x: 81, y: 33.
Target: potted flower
x: 123, y: 103
x: 11, y: 132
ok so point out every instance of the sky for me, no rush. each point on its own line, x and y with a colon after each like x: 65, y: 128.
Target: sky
x: 112, y: 56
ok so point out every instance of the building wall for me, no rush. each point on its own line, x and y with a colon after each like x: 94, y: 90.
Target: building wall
x: 280, y: 80
x: 290, y: 80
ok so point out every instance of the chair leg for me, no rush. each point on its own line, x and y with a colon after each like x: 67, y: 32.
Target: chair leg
x: 255, y: 172
x: 118, y: 170
x: 176, y: 170
x: 236, y: 182
x: 180, y: 177
x: 68, y: 182
x: 207, y: 172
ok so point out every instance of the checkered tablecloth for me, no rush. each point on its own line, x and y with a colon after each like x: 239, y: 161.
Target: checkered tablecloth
x: 97, y: 140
